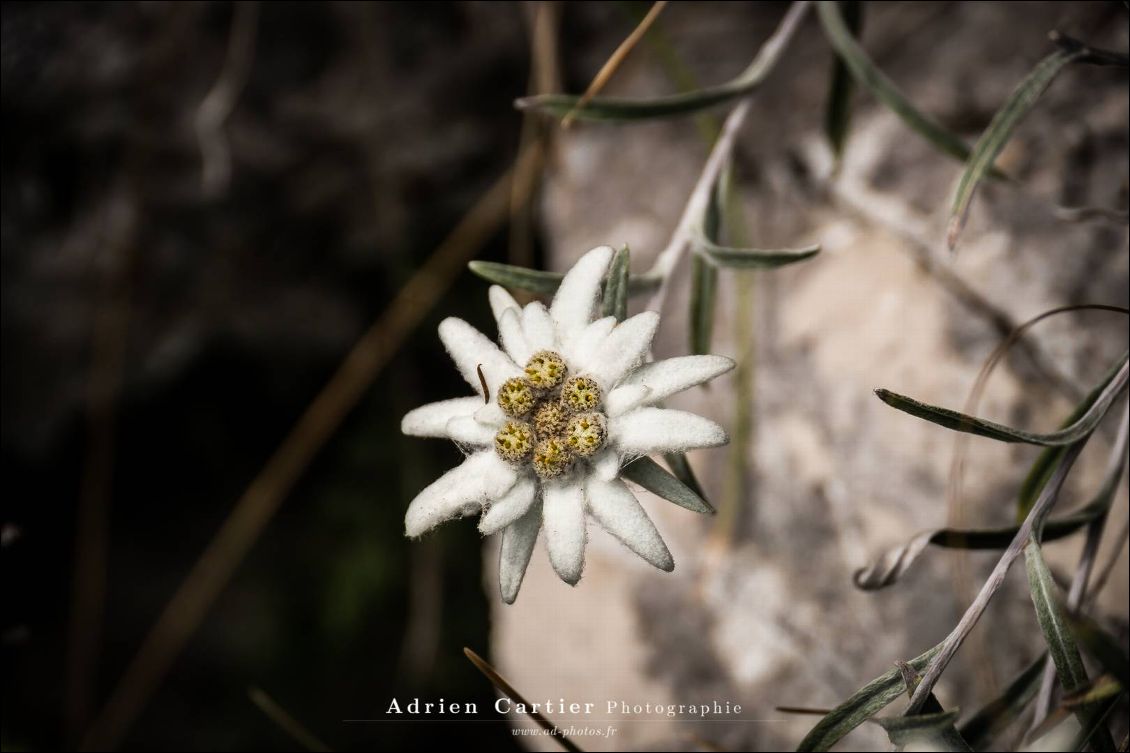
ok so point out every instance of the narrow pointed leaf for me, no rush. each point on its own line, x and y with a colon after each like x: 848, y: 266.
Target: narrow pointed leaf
x: 542, y: 282
x: 996, y: 716
x: 934, y: 731
x: 656, y: 479
x: 704, y: 284
x: 886, y: 569
x: 753, y: 258
x: 871, y: 78
x: 861, y: 706
x: 956, y: 421
x: 837, y: 113
x: 1000, y: 130
x: 621, y: 109
x: 1061, y: 642
x: 616, y: 286
x: 681, y: 468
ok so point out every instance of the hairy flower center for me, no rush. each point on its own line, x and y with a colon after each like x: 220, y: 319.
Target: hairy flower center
x: 516, y: 397
x: 545, y: 369
x: 580, y: 394
x: 585, y: 433
x: 514, y: 441
x: 556, y: 419
x: 550, y: 418
x: 552, y: 457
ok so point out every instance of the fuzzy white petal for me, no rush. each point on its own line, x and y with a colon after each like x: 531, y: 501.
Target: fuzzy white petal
x: 517, y: 545
x: 512, y: 337
x: 466, y: 430
x: 538, y: 327
x: 470, y: 349
x: 606, y: 464
x: 624, y: 349
x: 665, y: 378
x: 431, y: 420
x: 508, y: 508
x: 583, y: 349
x: 563, y: 517
x: 460, y: 491
x: 490, y: 414
x: 615, y: 507
x: 625, y: 397
x: 648, y: 430
x: 500, y: 301
x: 575, y: 299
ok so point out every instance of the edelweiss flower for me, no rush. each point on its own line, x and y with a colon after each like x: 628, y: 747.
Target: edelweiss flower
x: 569, y: 401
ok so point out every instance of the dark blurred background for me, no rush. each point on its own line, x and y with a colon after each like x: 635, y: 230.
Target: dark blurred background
x: 169, y: 313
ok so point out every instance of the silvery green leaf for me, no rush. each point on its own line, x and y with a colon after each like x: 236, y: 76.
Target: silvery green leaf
x: 539, y: 281
x: 837, y: 112
x: 932, y: 731
x: 619, y: 109
x: 704, y: 283
x: 653, y: 477
x: 886, y: 569
x: 956, y: 421
x: 681, y: 468
x: 753, y: 258
x: 1000, y: 130
x: 874, y: 80
x: 1061, y: 642
x: 861, y: 706
x: 616, y: 286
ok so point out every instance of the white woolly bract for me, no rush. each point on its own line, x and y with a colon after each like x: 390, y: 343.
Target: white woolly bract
x: 470, y: 349
x: 624, y: 349
x: 461, y: 491
x: 431, y: 420
x: 618, y: 511
x: 576, y: 297
x: 538, y: 327
x: 648, y: 430
x: 518, y: 541
x: 563, y: 517
x: 508, y: 508
x: 466, y: 430
x: 667, y: 377
x: 624, y: 398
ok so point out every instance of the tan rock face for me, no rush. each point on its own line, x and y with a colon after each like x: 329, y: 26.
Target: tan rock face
x: 761, y: 611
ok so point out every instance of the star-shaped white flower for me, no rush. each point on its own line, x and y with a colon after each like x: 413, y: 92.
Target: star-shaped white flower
x: 569, y: 402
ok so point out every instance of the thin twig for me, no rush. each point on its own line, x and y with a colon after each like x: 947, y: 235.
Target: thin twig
x: 1116, y: 464
x: 108, y: 357
x: 604, y: 75
x: 287, y: 723
x: 212, y: 571
x: 508, y: 690
x: 220, y: 100
x: 536, y: 135
x: 1032, y: 522
x: 761, y: 66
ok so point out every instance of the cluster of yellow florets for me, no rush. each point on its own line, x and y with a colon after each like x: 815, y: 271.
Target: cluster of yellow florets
x: 554, y: 419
